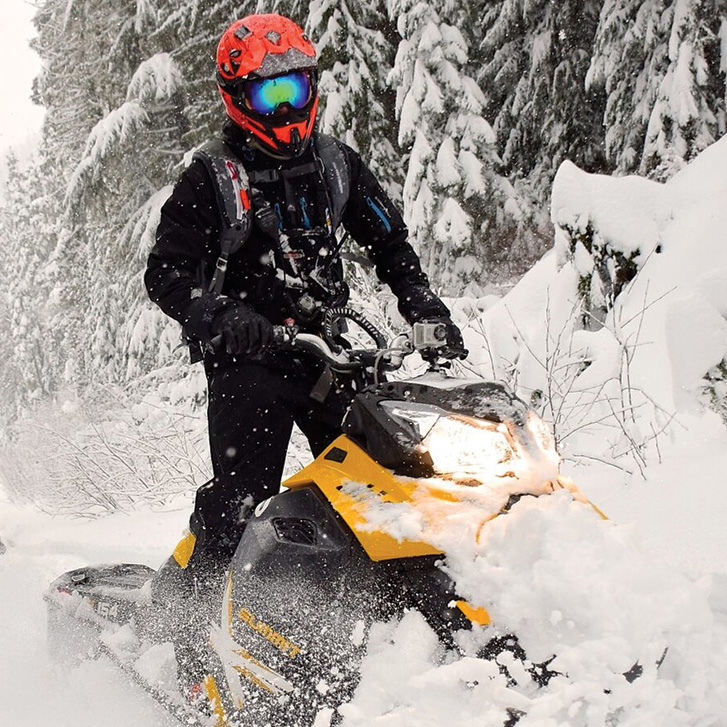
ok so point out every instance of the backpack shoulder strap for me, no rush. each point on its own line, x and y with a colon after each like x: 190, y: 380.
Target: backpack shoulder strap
x: 336, y: 172
x: 232, y: 191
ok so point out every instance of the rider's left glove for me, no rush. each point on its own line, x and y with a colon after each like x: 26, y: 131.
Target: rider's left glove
x: 243, y: 330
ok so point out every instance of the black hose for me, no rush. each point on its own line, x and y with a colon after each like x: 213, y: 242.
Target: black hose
x: 350, y: 314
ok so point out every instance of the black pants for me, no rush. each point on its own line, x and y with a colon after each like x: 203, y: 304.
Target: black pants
x: 251, y: 412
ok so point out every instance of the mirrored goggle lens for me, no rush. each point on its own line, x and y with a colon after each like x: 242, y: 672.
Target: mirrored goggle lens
x: 267, y: 95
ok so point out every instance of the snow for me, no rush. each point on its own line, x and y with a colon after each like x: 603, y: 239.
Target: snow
x: 156, y: 80
x: 636, y: 227
x: 119, y: 125
x: 598, y: 595
x: 34, y: 692
x: 577, y: 587
x: 571, y: 586
x: 664, y: 332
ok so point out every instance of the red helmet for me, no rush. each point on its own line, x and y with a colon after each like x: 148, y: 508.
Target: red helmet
x: 266, y: 73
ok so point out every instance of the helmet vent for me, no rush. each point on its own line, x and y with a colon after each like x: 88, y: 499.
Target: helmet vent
x: 236, y: 53
x: 274, y: 37
x: 242, y: 32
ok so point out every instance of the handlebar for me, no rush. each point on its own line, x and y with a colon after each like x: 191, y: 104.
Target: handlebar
x: 286, y: 337
x: 426, y: 338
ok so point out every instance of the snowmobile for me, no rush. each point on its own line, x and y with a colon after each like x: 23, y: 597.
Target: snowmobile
x: 320, y: 562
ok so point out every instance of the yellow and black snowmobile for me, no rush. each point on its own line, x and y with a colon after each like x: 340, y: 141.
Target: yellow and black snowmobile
x: 320, y: 562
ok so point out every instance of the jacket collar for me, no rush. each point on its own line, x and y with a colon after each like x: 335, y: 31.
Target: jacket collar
x: 254, y: 158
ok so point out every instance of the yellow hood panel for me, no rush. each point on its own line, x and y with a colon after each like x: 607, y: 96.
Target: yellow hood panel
x: 351, y: 496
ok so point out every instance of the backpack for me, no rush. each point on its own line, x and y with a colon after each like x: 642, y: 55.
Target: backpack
x: 234, y: 191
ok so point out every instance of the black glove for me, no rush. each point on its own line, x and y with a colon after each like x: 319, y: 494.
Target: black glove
x: 454, y: 346
x: 243, y: 330
x: 420, y: 303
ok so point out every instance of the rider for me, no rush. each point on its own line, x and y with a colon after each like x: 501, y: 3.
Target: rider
x: 301, y: 186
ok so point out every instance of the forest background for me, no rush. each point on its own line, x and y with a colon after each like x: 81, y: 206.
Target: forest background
x: 464, y: 111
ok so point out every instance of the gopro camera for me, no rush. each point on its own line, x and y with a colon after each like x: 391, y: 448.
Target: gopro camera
x: 429, y: 335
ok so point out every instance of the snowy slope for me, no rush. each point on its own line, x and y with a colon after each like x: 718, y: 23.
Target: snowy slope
x: 34, y: 692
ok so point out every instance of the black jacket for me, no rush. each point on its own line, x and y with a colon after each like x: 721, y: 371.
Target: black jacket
x: 181, y: 263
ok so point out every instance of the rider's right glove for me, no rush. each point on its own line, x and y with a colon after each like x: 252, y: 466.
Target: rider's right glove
x: 454, y: 346
x: 243, y: 331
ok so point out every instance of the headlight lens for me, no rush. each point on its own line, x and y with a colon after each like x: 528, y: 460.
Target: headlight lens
x: 462, y: 446
x: 458, y: 446
x: 420, y: 417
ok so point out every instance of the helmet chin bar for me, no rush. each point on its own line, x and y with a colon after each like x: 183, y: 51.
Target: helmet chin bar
x: 286, y: 139
x: 285, y: 150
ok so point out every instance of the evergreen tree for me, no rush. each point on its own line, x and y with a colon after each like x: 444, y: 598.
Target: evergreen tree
x: 89, y: 51
x: 190, y: 30
x: 662, y: 65
x: 454, y: 201
x: 129, y: 90
x: 535, y: 56
x: 354, y: 43
x: 130, y: 154
x: 28, y: 355
x: 297, y: 10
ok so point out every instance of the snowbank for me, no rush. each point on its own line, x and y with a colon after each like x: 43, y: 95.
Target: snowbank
x: 671, y: 314
x: 577, y: 590
x: 619, y: 337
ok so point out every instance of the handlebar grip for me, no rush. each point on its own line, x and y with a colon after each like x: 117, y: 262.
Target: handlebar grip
x: 281, y: 335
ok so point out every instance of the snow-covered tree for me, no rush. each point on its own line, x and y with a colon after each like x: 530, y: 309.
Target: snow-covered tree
x: 128, y: 88
x: 454, y: 201
x: 190, y: 31
x: 28, y: 356
x: 535, y: 55
x: 356, y: 52
x: 297, y: 10
x: 662, y: 65
x: 112, y: 136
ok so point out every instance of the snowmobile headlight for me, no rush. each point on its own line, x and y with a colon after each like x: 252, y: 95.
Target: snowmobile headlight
x: 458, y: 445
x: 462, y: 446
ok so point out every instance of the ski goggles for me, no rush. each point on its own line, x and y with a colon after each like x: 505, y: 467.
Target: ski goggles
x: 266, y: 95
